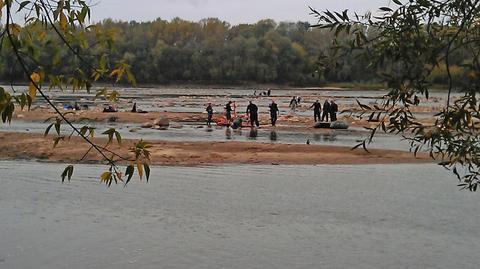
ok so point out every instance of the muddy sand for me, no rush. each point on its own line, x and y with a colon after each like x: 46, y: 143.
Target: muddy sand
x: 96, y: 115
x: 36, y: 146
x: 295, y: 123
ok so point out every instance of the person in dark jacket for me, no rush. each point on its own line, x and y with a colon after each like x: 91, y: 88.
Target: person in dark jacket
x: 228, y: 112
x: 209, y: 113
x: 333, y: 111
x: 252, y: 112
x: 416, y: 100
x: 317, y: 107
x: 326, y: 110
x: 293, y: 103
x: 273, y: 112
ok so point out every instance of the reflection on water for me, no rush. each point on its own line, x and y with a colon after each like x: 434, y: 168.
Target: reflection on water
x: 325, y: 137
x: 191, y: 132
x: 253, y: 134
x: 228, y: 133
x: 273, y: 135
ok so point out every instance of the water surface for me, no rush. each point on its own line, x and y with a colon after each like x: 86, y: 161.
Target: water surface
x: 365, y: 216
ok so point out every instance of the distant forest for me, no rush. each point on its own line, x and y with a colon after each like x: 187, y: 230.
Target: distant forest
x: 213, y: 51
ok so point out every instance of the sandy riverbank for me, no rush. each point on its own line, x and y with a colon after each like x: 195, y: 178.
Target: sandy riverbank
x: 35, y: 146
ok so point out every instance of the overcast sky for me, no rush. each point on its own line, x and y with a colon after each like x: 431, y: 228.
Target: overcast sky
x: 233, y: 11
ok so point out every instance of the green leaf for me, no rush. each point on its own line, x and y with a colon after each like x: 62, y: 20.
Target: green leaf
x: 129, y: 173
x: 118, y: 137
x: 147, y: 171
x: 56, y: 140
x: 67, y: 173
x: 48, y: 129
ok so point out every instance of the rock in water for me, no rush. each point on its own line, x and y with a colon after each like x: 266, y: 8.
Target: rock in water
x: 163, y: 122
x: 339, y: 125
x: 146, y: 125
x: 158, y: 127
x: 112, y: 119
x: 176, y: 126
x: 322, y: 125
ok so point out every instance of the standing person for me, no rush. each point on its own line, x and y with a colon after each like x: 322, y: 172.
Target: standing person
x: 416, y: 100
x: 252, y: 112
x: 317, y: 107
x: 326, y: 110
x: 209, y: 113
x: 333, y: 111
x: 274, y: 112
x: 293, y: 103
x: 228, y: 112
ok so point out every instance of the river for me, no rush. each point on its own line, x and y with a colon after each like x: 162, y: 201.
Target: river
x: 364, y: 216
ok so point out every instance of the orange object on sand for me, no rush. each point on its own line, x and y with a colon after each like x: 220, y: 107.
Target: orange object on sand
x: 221, y: 121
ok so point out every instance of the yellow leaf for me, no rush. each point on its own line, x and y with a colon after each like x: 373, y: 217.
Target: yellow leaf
x: 32, y: 91
x: 63, y: 21
x: 140, y: 169
x: 15, y: 29
x: 115, y: 72
x: 105, y: 176
x: 41, y: 35
x: 35, y: 77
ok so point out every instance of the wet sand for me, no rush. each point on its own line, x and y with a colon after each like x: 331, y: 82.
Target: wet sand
x: 178, y: 110
x: 35, y: 146
x: 96, y: 115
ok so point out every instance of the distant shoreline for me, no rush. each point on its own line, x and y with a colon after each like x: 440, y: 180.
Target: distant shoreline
x: 249, y: 86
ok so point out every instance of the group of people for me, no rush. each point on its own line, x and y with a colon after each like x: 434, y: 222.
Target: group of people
x: 330, y: 109
x: 296, y: 100
x: 264, y: 93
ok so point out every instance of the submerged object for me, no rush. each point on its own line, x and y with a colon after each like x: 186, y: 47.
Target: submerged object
x: 321, y: 124
x: 339, y: 125
x: 332, y: 125
x: 237, y: 123
x: 162, y: 121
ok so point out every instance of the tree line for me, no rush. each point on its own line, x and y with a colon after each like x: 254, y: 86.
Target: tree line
x: 210, y: 51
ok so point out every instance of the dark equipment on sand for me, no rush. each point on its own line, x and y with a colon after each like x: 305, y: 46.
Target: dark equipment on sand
x: 334, y: 125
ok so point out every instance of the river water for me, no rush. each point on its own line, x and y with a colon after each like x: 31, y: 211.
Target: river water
x: 363, y: 216
x: 190, y: 132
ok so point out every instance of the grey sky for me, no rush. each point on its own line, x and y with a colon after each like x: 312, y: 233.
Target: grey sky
x: 233, y: 11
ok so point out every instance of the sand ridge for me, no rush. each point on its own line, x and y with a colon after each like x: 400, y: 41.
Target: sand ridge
x: 36, y: 146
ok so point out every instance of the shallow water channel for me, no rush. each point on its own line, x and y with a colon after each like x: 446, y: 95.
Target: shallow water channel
x: 364, y: 216
x: 191, y: 132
